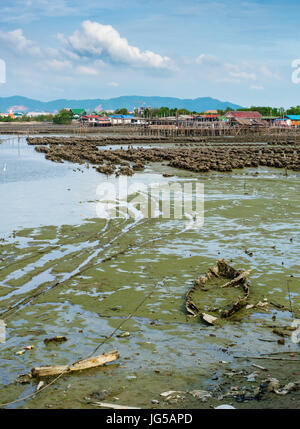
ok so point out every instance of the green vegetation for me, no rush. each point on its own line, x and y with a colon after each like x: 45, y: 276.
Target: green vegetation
x: 122, y: 111
x: 64, y: 117
x: 164, y: 112
x: 293, y: 111
x: 263, y: 110
x: 266, y: 111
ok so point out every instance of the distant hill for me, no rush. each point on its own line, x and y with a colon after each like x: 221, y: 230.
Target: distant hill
x: 129, y: 102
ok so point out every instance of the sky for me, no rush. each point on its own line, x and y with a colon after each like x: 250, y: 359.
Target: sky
x: 237, y: 51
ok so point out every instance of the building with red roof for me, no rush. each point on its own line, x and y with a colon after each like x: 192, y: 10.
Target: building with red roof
x: 95, y: 120
x: 244, y: 115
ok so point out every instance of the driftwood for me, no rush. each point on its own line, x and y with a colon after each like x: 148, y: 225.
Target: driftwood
x: 114, y: 406
x: 221, y: 269
x: 45, y: 371
x: 259, y: 367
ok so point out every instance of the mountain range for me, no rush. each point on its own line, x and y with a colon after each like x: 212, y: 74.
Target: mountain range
x: 201, y: 104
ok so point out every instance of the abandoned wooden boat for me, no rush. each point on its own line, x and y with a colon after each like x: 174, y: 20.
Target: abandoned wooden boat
x: 220, y: 280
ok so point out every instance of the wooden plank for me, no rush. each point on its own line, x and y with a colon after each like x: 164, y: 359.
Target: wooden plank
x: 45, y: 371
x: 237, y: 279
x: 114, y: 406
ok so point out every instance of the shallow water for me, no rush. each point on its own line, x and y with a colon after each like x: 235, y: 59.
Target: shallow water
x: 106, y: 268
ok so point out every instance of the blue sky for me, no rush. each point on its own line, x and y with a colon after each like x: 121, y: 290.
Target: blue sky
x: 238, y: 51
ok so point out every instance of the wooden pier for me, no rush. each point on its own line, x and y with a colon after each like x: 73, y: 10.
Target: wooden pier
x: 216, y: 130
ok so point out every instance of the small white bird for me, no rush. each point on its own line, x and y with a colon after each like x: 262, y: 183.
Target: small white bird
x: 4, y: 168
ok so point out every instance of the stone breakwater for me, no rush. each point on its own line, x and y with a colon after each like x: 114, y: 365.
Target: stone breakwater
x: 201, y: 159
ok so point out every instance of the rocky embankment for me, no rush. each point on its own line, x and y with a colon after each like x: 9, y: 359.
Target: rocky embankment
x: 95, y: 140
x: 197, y: 159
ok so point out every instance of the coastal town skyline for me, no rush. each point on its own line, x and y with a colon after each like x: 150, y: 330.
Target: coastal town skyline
x: 235, y: 51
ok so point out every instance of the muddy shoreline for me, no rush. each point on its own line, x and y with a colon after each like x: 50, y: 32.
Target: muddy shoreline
x: 79, y: 277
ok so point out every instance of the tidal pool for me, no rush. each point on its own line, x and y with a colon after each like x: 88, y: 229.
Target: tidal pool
x: 63, y: 271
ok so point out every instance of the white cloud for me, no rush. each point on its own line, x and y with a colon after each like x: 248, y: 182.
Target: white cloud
x: 24, y: 11
x: 56, y: 65
x: 17, y: 41
x: 257, y: 87
x: 87, y: 70
x: 266, y: 72
x: 243, y: 71
x: 240, y: 71
x: 210, y: 60
x: 103, y: 41
x: 51, y: 7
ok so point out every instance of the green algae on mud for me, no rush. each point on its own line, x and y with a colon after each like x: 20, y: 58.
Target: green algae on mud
x: 166, y: 350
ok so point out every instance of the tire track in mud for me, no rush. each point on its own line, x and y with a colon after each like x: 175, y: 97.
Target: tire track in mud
x: 85, y: 265
x: 106, y: 229
x: 45, y: 251
x: 89, y: 262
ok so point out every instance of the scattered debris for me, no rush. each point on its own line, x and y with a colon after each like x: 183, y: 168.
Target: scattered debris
x: 290, y: 387
x: 21, y: 352
x: 233, y: 373
x: 273, y: 385
x: 24, y: 378
x: 57, y: 339
x: 262, y: 304
x: 124, y: 334
x: 169, y: 393
x: 202, y: 395
x: 251, y: 377
x: 131, y: 377
x: 40, y: 385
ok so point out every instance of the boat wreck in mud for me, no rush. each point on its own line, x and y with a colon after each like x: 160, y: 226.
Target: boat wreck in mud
x: 212, y: 281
